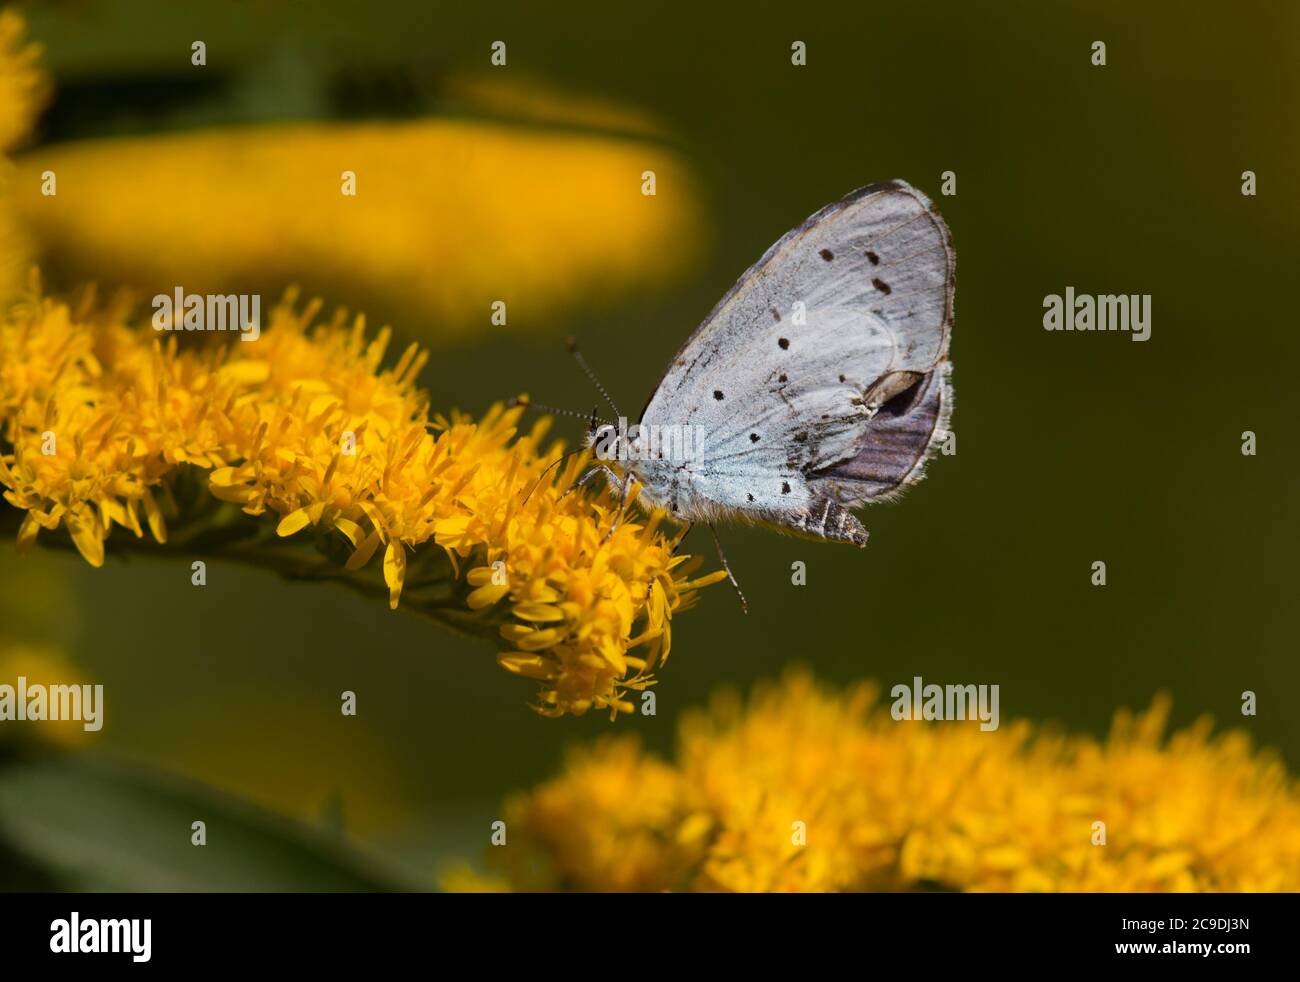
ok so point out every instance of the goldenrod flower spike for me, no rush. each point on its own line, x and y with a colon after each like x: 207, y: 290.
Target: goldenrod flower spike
x: 809, y: 790
x: 302, y: 453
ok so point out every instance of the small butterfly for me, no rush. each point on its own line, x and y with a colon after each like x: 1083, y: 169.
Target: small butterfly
x: 818, y: 384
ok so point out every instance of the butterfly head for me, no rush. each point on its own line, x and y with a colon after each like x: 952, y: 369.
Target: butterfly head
x: 602, y: 435
x: 611, y: 442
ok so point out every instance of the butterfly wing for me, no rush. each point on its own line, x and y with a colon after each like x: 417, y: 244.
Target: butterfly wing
x: 820, y: 379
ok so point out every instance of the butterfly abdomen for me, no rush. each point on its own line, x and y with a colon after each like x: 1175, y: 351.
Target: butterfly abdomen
x: 827, y: 519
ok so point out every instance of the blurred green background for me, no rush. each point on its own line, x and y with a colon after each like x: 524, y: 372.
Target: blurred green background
x: 1071, y: 447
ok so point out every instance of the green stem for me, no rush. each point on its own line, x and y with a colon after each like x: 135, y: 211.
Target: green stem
x: 200, y: 526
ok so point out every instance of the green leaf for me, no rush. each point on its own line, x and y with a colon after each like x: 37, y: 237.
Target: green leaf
x: 93, y: 824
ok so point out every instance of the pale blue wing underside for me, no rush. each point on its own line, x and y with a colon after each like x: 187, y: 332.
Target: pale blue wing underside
x: 848, y: 311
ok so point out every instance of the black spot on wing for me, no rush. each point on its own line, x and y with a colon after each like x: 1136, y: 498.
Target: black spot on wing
x: 882, y: 286
x: 872, y: 258
x: 783, y: 342
x: 827, y: 255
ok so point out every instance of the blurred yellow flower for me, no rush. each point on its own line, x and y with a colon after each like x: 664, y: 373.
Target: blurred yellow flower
x: 449, y: 216
x: 23, y: 90
x: 98, y: 419
x: 614, y: 822
x: 23, y: 86
x: 438, y: 219
x: 15, y: 250
x: 806, y: 790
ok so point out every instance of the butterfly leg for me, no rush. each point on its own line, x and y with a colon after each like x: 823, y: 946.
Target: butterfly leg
x: 731, y: 576
x: 622, y: 504
x: 591, y: 473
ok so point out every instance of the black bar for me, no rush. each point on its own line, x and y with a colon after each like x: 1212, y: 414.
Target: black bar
x: 584, y: 933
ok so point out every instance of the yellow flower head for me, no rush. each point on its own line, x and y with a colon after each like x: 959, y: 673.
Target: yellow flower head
x: 102, y: 424
x: 808, y: 790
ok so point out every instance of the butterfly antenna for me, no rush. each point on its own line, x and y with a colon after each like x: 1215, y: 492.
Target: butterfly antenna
x: 731, y: 576
x: 542, y: 407
x: 572, y: 345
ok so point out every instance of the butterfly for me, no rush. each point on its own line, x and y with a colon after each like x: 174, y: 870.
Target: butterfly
x: 818, y: 384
